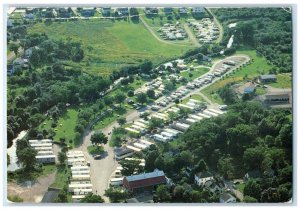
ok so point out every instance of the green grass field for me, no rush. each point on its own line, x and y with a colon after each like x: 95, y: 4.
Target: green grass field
x: 61, y: 178
x: 110, y: 45
x: 194, y: 96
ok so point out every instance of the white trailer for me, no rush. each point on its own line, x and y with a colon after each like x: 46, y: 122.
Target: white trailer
x: 116, y: 181
x: 210, y: 113
x: 133, y: 148
x: 76, y: 161
x: 146, y: 142
x: 132, y: 130
x: 195, y: 101
x: 167, y: 135
x: 203, y: 115
x: 49, y: 152
x: 35, y: 141
x: 81, y: 177
x: 43, y: 148
x: 190, y: 121
x: 40, y: 144
x: 45, y: 158
x: 141, y: 146
x: 85, y: 172
x: 175, y: 132
x: 140, y: 124
x: 80, y: 168
x: 81, y: 186
x: 78, y: 155
x: 197, y: 118
x: 186, y: 106
x: 216, y: 111
x: 159, y: 137
x: 182, y: 126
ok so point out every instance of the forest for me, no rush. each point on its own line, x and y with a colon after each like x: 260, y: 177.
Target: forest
x: 268, y: 30
x: 247, y: 138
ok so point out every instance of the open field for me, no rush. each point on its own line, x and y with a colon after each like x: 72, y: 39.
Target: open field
x: 257, y: 67
x: 110, y: 45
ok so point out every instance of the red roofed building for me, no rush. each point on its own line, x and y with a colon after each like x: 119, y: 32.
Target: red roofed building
x: 144, y: 182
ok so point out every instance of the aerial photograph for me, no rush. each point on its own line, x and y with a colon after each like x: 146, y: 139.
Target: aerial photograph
x: 149, y: 105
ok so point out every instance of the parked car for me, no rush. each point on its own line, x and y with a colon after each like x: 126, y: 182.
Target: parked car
x: 97, y: 157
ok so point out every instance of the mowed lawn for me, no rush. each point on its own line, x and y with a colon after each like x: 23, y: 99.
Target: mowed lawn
x: 257, y: 67
x: 110, y: 45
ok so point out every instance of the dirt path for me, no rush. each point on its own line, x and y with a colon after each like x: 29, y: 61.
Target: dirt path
x: 191, y: 35
x: 32, y: 193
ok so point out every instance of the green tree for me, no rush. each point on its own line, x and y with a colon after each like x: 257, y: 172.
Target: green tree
x: 225, y: 167
x: 91, y: 198
x: 151, y: 93
x: 130, y: 93
x: 116, y: 194
x: 252, y: 189
x: 248, y: 199
x: 155, y: 123
x: 163, y: 194
x: 62, y: 158
x: 130, y: 166
x: 120, y: 97
x: 121, y: 120
x: 14, y: 48
x: 27, y: 158
x: 141, y: 98
x: 99, y: 138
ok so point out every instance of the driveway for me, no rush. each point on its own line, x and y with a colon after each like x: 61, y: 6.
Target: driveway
x: 191, y: 35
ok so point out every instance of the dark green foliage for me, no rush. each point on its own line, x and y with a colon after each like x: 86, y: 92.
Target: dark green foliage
x: 92, y: 198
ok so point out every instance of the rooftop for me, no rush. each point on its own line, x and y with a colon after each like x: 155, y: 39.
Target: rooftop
x: 156, y: 173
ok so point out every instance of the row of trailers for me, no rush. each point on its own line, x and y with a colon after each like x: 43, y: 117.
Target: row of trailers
x: 80, y: 184
x: 44, y: 150
x: 178, y: 127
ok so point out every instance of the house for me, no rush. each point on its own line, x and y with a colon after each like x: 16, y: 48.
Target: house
x: 19, y: 62
x: 183, y: 10
x: 123, y: 11
x: 10, y: 69
x: 123, y: 152
x: 215, y: 186
x: 197, y: 10
x: 255, y: 174
x: 278, y: 97
x: 202, y: 177
x: 151, y: 10
x: 168, y: 10
x: 87, y: 12
x: 105, y: 11
x: 227, y: 198
x: 9, y: 23
x: 267, y: 78
x: 63, y: 13
x: 249, y: 90
x: 144, y: 182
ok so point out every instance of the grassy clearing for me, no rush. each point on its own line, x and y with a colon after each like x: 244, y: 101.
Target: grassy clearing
x: 61, y: 178
x: 257, y: 67
x: 283, y: 81
x: 194, y: 96
x: 47, y: 169
x: 191, y: 75
x: 260, y: 91
x: 110, y: 45
x: 65, y: 126
x: 241, y: 187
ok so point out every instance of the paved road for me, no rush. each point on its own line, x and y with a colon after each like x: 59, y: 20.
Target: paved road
x: 191, y: 35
